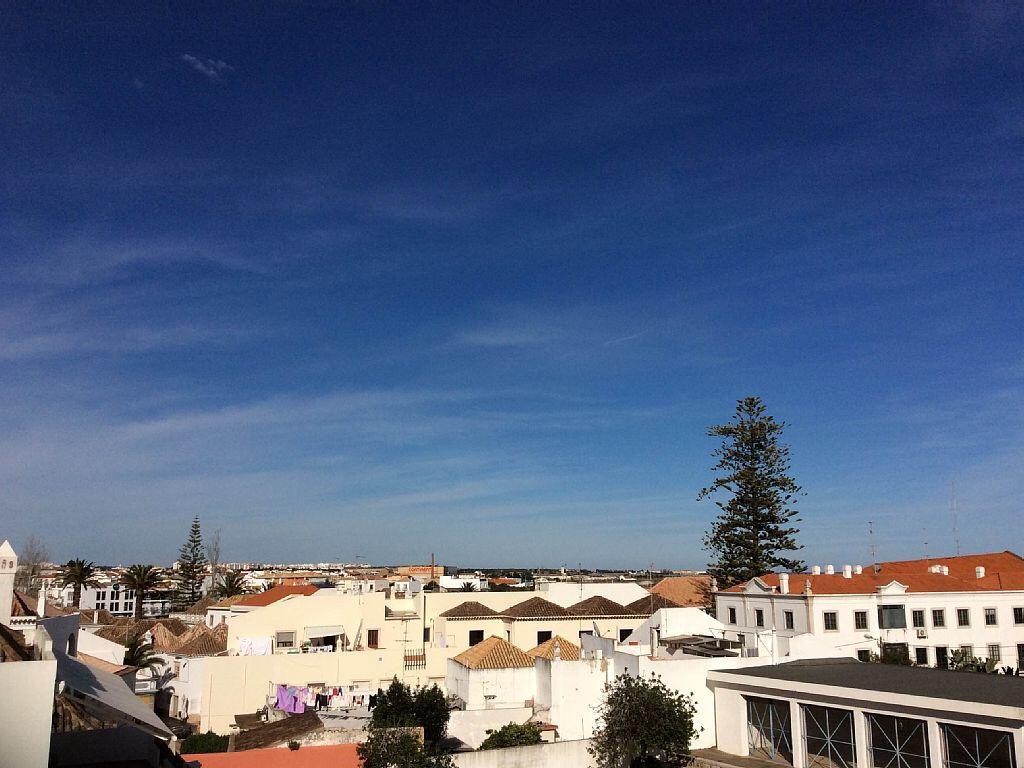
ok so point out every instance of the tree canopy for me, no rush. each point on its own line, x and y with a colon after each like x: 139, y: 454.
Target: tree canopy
x: 756, y: 497
x: 397, y: 748
x: 401, y: 707
x: 512, y: 735
x: 191, y: 567
x: 642, y: 722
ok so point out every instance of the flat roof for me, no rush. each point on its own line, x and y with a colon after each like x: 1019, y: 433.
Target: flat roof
x: 978, y: 687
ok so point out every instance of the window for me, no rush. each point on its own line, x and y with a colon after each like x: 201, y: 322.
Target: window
x: 990, y: 617
x: 426, y: 634
x: 938, y: 617
x: 831, y: 621
x: 543, y: 636
x: 921, y: 657
x: 969, y: 747
x: 963, y: 617
x: 993, y: 652
x: 284, y: 639
x: 918, y: 618
x: 898, y: 741
x: 1020, y: 655
x: 732, y: 615
x: 967, y: 650
x: 788, y: 615
x: 624, y: 633
x: 860, y: 619
x: 828, y: 737
x: 373, y: 638
x: 864, y: 655
x: 941, y: 656
x: 768, y: 733
x: 759, y: 617
x: 475, y: 636
x: 1018, y: 615
x: 892, y: 617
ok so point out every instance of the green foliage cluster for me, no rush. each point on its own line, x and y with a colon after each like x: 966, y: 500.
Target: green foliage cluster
x: 191, y: 567
x: 512, y: 735
x: 642, y: 722
x: 756, y: 497
x: 203, y: 743
x: 390, y: 748
x: 401, y: 707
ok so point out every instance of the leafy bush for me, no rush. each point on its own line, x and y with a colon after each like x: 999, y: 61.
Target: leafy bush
x: 512, y: 735
x: 203, y: 743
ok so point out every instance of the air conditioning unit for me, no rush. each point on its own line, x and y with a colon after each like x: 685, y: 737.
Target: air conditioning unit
x: 922, y: 633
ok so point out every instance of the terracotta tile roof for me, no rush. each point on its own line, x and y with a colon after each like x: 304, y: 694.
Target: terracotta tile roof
x: 333, y: 756
x: 471, y: 609
x: 272, y: 595
x: 494, y: 653
x: 536, y: 608
x: 203, y: 641
x: 645, y: 606
x: 227, y: 602
x: 105, y: 666
x: 567, y: 651
x: 99, y: 616
x: 12, y: 647
x: 685, y: 590
x: 165, y: 639
x: 1003, y: 570
x: 199, y: 607
x: 278, y: 731
x: 598, y: 606
x: 24, y: 604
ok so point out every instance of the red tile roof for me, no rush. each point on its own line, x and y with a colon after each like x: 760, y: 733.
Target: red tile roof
x: 333, y: 756
x: 274, y: 594
x: 685, y: 590
x: 537, y: 608
x: 1003, y: 570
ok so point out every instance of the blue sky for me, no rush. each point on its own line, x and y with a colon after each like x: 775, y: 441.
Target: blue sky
x: 474, y: 280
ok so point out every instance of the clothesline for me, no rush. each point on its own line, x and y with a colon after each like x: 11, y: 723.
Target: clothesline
x: 295, y: 699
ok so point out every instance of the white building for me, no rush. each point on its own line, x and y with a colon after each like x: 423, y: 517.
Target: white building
x: 926, y: 609
x: 838, y: 713
x: 109, y: 596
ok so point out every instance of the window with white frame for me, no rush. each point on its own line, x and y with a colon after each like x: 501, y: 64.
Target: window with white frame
x: 994, y: 653
x: 732, y: 615
x: 860, y: 619
x: 759, y: 617
x: 1018, y: 615
x: 968, y: 747
x: 990, y: 617
x: 768, y: 729
x: 788, y: 617
x: 831, y: 621
x: 967, y: 651
x: 897, y: 742
x: 828, y: 737
x: 918, y: 619
x: 938, y: 617
x: 963, y: 617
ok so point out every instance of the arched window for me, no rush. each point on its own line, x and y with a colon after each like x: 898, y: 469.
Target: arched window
x: 72, y: 645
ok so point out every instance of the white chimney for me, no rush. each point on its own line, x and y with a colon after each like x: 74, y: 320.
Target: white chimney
x: 830, y: 569
x: 847, y: 571
x: 858, y: 569
x: 784, y: 583
x: 816, y: 570
x: 979, y: 572
x: 8, y: 568
x: 945, y: 570
x: 41, y: 604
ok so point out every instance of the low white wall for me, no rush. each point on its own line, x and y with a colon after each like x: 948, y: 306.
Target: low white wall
x: 472, y: 726
x: 560, y: 754
x: 26, y: 713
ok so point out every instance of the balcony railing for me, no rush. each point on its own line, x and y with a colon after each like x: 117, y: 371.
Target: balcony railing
x: 416, y: 659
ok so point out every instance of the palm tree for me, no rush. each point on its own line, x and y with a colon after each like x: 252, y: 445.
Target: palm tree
x: 141, y: 578
x: 231, y: 585
x: 79, y: 574
x: 467, y: 586
x: 139, y: 653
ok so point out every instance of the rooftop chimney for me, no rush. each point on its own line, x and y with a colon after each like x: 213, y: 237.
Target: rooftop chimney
x: 847, y: 571
x: 979, y: 572
x: 784, y: 583
x: 858, y: 569
x: 41, y: 604
x: 830, y: 569
x: 945, y: 570
x: 816, y: 570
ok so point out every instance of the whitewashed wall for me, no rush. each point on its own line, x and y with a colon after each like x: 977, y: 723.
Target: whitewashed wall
x: 26, y: 712
x: 560, y: 754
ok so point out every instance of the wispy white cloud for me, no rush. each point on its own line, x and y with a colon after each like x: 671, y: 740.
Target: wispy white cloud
x: 214, y: 69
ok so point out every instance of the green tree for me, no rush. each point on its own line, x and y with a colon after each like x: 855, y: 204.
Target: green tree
x: 400, y: 707
x: 79, y: 574
x: 391, y: 748
x: 139, y: 653
x: 232, y: 584
x: 967, y: 662
x: 512, y: 735
x: 204, y: 744
x: 642, y: 723
x: 141, y: 578
x: 756, y: 523
x: 432, y: 713
x: 191, y: 567
x: 467, y: 586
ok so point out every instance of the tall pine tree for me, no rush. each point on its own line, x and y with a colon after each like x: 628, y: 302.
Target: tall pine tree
x: 191, y: 567
x: 756, y: 525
